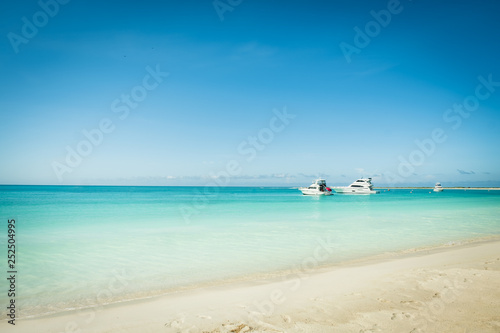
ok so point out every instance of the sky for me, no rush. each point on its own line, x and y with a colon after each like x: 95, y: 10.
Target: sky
x: 250, y: 92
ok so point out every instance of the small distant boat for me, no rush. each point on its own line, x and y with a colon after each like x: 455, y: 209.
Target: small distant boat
x: 360, y: 186
x: 438, y: 188
x: 318, y: 187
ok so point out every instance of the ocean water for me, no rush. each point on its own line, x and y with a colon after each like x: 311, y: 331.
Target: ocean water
x: 80, y: 247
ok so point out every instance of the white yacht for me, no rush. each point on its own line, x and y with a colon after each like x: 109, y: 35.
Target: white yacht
x: 438, y: 188
x: 360, y: 186
x: 318, y: 187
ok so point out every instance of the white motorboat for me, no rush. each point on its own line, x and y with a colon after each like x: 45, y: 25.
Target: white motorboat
x: 318, y: 187
x: 438, y: 188
x: 360, y: 186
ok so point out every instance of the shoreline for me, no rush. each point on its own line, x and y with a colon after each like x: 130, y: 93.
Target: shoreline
x: 269, y: 301
x: 273, y: 275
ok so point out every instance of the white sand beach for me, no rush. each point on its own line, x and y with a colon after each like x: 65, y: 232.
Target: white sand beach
x: 450, y: 289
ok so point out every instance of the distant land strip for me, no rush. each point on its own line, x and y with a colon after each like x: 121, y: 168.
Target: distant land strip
x: 431, y: 188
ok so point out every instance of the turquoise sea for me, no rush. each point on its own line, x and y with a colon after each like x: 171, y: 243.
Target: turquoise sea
x: 84, y: 246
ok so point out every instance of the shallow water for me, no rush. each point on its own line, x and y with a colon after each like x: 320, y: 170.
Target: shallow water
x: 82, y: 246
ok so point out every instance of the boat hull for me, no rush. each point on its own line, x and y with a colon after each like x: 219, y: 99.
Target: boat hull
x: 350, y: 190
x: 306, y: 191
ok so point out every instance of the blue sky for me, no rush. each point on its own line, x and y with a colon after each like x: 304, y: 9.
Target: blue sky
x: 213, y: 118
